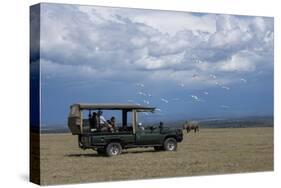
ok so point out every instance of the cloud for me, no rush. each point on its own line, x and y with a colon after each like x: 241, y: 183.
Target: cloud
x: 162, y: 62
x: 150, y: 45
x: 242, y: 61
x: 175, y: 21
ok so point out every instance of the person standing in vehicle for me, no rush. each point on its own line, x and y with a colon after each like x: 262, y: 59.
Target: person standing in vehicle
x: 94, y: 121
x: 104, y: 125
x: 102, y: 120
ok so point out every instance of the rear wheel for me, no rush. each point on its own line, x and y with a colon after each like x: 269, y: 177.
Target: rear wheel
x: 170, y: 144
x: 113, y: 149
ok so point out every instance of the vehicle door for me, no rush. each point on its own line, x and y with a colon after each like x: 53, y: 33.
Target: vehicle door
x: 148, y: 136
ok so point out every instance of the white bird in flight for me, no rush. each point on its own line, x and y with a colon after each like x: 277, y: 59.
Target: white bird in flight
x: 243, y: 80
x: 146, y: 102
x: 142, y: 94
x: 164, y: 100
x: 196, y: 60
x: 225, y: 106
x: 130, y: 101
x: 224, y: 87
x: 140, y: 84
x: 206, y: 92
x: 194, y: 76
x: 158, y: 110
x: 213, y: 76
x: 195, y: 97
x: 181, y: 84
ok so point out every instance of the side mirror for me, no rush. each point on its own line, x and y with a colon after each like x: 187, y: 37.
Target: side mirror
x: 161, y: 124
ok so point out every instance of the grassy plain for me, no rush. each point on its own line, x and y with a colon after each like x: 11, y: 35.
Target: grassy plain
x: 211, y: 151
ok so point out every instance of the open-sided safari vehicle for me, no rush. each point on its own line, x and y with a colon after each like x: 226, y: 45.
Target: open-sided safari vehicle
x: 107, y: 138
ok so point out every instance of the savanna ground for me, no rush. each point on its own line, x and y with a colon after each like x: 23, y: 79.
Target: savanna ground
x: 211, y: 151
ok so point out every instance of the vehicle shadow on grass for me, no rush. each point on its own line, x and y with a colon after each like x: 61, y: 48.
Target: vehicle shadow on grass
x: 85, y: 155
x: 139, y: 151
x: 104, y: 155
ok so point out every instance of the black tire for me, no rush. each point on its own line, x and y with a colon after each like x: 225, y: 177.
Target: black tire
x: 170, y: 144
x: 113, y: 149
x: 158, y: 148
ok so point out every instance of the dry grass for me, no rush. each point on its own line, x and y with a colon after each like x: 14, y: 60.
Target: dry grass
x: 211, y: 151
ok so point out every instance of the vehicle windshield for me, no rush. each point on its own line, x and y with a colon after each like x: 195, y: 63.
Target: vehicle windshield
x: 146, y: 119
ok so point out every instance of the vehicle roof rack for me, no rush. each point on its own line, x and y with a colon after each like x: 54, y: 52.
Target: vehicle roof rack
x: 113, y: 106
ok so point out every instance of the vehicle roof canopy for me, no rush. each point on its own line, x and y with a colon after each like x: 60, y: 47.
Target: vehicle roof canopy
x: 112, y: 106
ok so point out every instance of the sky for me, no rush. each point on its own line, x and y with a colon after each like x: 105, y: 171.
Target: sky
x: 187, y: 65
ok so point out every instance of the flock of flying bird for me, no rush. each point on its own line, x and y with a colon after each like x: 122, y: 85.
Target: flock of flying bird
x: 194, y: 98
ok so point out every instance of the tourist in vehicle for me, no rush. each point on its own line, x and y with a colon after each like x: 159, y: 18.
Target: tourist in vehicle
x: 112, y: 122
x: 102, y: 120
x: 93, y: 121
x: 104, y: 125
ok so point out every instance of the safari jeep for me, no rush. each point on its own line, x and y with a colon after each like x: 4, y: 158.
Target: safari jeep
x: 129, y: 134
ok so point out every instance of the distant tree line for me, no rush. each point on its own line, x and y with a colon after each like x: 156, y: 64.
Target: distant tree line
x: 218, y: 123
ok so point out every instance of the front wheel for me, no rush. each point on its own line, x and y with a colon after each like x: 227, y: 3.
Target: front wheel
x: 113, y: 149
x: 170, y: 144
